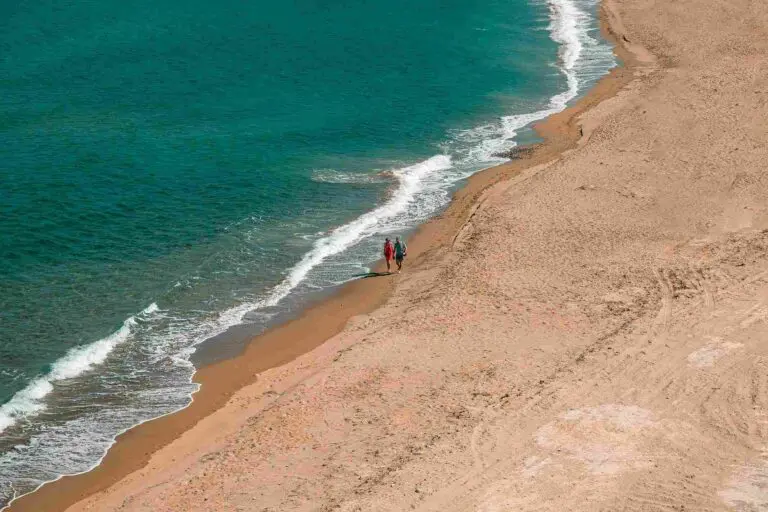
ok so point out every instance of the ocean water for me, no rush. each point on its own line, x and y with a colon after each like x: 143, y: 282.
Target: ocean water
x: 171, y: 169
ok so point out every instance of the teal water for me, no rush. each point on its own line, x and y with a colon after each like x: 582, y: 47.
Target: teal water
x: 171, y: 169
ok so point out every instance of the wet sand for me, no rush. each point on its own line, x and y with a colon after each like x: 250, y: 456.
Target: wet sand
x: 582, y: 329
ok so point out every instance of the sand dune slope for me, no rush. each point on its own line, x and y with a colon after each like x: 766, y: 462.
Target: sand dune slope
x: 595, y: 338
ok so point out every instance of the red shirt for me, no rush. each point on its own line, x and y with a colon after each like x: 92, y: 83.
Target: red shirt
x: 389, y: 250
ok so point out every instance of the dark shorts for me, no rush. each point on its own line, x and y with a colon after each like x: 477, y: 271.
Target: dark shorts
x: 399, y: 258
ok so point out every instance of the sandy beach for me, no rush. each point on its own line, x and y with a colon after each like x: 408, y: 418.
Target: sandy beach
x: 583, y: 329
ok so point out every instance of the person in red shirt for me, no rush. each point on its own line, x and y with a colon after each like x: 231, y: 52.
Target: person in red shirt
x: 389, y: 252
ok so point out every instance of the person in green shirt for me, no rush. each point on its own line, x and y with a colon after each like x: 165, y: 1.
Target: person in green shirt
x: 401, y: 251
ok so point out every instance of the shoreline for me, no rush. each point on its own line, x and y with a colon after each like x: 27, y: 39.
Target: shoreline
x: 321, y: 321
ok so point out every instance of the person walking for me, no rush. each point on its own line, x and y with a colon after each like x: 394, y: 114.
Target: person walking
x: 401, y: 251
x: 389, y: 252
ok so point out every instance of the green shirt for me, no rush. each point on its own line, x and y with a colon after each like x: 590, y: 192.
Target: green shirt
x: 400, y: 249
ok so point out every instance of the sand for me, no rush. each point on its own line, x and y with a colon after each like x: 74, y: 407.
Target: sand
x: 584, y: 329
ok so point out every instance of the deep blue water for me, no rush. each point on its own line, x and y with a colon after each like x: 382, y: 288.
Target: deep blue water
x: 169, y: 169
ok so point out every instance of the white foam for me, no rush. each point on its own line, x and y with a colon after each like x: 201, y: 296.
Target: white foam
x: 78, y: 360
x: 569, y: 27
x: 411, y: 181
x: 334, y: 176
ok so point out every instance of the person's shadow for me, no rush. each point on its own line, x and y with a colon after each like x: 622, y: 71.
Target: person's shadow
x: 371, y: 274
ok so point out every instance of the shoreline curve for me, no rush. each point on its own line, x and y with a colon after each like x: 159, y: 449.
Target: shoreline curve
x: 280, y: 345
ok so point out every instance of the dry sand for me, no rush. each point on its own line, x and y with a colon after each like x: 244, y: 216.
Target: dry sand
x: 587, y: 334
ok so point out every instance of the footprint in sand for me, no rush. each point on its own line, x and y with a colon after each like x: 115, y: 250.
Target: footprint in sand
x: 708, y: 355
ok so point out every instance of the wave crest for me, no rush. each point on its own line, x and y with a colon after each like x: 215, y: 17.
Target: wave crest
x: 77, y: 361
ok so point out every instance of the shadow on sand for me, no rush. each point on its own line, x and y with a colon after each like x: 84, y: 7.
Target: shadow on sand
x: 371, y: 274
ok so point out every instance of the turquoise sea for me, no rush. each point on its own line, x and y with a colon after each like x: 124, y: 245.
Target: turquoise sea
x: 169, y: 170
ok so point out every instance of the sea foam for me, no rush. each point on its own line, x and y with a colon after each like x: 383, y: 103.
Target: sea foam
x: 345, y: 178
x: 78, y: 360
x: 410, y: 182
x: 569, y: 27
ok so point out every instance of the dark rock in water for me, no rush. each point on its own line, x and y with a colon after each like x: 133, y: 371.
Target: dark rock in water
x: 518, y: 152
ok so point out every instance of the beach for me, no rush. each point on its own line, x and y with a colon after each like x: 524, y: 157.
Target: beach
x: 153, y: 227
x: 582, y: 329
